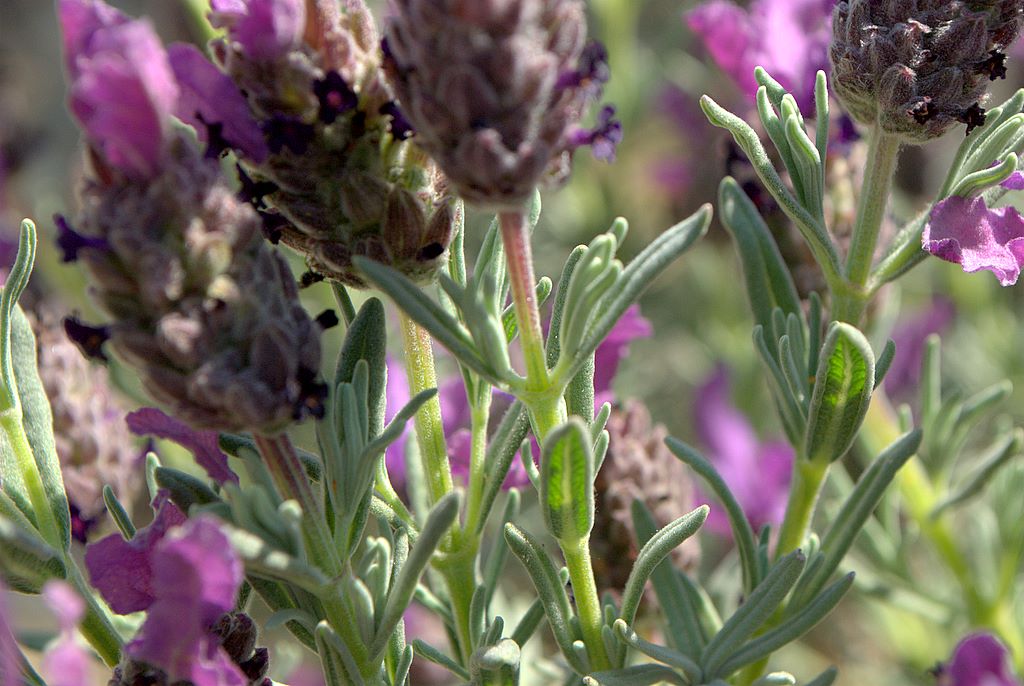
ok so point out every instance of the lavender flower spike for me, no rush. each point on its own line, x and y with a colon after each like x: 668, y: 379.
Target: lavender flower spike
x: 967, y: 232
x: 979, y: 660
x: 495, y: 90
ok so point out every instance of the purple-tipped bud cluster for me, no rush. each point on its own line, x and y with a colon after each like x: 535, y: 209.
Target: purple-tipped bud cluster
x: 495, y: 90
x: 918, y: 67
x: 202, y: 307
x: 338, y: 180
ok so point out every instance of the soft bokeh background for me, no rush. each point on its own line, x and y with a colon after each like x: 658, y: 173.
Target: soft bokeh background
x: 669, y: 163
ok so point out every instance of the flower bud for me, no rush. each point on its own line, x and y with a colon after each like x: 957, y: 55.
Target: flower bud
x: 918, y: 68
x: 494, y: 90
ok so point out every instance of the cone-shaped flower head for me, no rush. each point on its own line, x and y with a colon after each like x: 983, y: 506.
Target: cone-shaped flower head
x: 202, y: 308
x: 340, y: 180
x: 917, y: 67
x: 495, y: 90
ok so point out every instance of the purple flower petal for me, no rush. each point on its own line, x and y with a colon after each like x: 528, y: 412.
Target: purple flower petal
x: 1015, y: 182
x: 909, y: 336
x: 123, y: 90
x: 264, y: 29
x: 66, y: 663
x: 979, y: 660
x: 757, y: 474
x: 9, y: 653
x: 196, y: 575
x: 613, y: 349
x: 966, y: 231
x: 210, y: 98
x: 204, y: 446
x: 121, y: 570
x: 396, y: 396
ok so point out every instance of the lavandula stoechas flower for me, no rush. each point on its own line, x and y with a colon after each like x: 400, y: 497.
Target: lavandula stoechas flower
x: 339, y: 177
x: 65, y: 663
x: 789, y: 38
x: 495, y: 90
x: 917, y: 67
x: 979, y: 660
x: 204, y: 310
x: 92, y: 441
x: 757, y: 473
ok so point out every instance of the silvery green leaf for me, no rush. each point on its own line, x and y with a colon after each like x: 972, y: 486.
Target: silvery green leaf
x: 27, y: 562
x: 185, y: 490
x: 850, y: 521
x: 999, y: 454
x: 496, y: 665
x: 759, y: 606
x: 403, y: 666
x: 768, y: 282
x: 671, y: 657
x: 742, y: 533
x: 243, y: 447
x: 790, y: 630
x: 499, y: 551
x: 633, y: 281
x: 403, y: 588
x: 637, y: 675
x: 792, y: 412
x: 116, y: 510
x: 266, y: 561
x: 338, y: 664
x: 654, y: 551
x: 501, y: 450
x: 821, y: 117
x: 508, y: 315
x: 278, y: 597
x: 528, y: 623
x: 825, y: 678
x: 681, y: 614
x: 596, y: 272
x: 553, y: 343
x: 842, y: 392
x: 884, y: 361
x: 13, y: 287
x: 550, y: 589
x: 975, y: 182
x: 282, y: 617
x: 432, y: 654
x: 366, y: 340
x: 776, y: 679
x: 567, y: 481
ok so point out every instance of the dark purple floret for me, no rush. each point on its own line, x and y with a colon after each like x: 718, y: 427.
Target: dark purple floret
x: 288, y: 132
x: 254, y: 191
x: 994, y: 66
x: 327, y: 319
x: 400, y: 126
x: 309, y: 278
x: 335, y: 96
x: 973, y: 116
x: 80, y: 526
x: 216, y: 144
x: 70, y: 241
x: 89, y: 339
x: 603, y: 138
x: 256, y: 666
x: 273, y: 223
x: 593, y: 69
x: 312, y: 394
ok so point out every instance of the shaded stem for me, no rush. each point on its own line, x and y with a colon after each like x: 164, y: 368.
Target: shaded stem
x: 46, y: 520
x: 808, y: 477
x: 515, y: 236
x: 479, y: 418
x: 97, y: 626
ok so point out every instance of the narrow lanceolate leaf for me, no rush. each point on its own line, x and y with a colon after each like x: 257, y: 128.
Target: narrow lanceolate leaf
x: 637, y: 675
x: 550, y: 589
x: 496, y: 665
x: 842, y: 391
x: 567, y: 482
x: 26, y: 560
x: 656, y: 549
x: 365, y: 340
x: 660, y: 653
x: 767, y: 279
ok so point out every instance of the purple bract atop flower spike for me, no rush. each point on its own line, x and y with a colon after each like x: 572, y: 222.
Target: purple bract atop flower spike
x: 204, y: 446
x: 758, y: 474
x: 789, y: 38
x: 979, y: 660
x: 495, y: 91
x: 967, y: 232
x: 123, y: 90
x: 265, y: 30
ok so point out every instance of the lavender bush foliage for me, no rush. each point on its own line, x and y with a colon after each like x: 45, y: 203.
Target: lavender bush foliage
x: 333, y: 505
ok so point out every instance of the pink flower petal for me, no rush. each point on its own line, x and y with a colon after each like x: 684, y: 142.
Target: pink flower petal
x: 966, y: 231
x: 204, y: 446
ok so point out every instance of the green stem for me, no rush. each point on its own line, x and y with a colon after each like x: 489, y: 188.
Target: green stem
x: 97, y: 626
x: 883, y: 156
x: 46, y: 520
x: 584, y: 589
x: 808, y: 478
x: 515, y: 236
x: 547, y: 411
x: 419, y: 366
x: 479, y: 417
x: 458, y: 567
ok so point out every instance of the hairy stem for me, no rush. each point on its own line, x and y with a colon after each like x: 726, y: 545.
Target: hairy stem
x: 808, y: 478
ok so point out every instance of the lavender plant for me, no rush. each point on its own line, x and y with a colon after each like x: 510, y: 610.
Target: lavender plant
x: 356, y: 149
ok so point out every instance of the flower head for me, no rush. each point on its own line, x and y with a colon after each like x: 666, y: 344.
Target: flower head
x: 495, y: 91
x: 757, y: 473
x: 918, y: 68
x: 979, y: 660
x: 789, y: 38
x: 966, y: 231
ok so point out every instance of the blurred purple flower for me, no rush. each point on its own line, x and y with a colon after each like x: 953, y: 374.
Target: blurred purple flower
x: 211, y: 102
x: 904, y: 374
x: 613, y: 349
x: 967, y: 232
x: 185, y: 575
x: 10, y: 655
x: 789, y: 38
x: 65, y: 663
x: 757, y: 473
x: 979, y: 660
x: 265, y: 29
x: 204, y: 445
x: 122, y: 88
